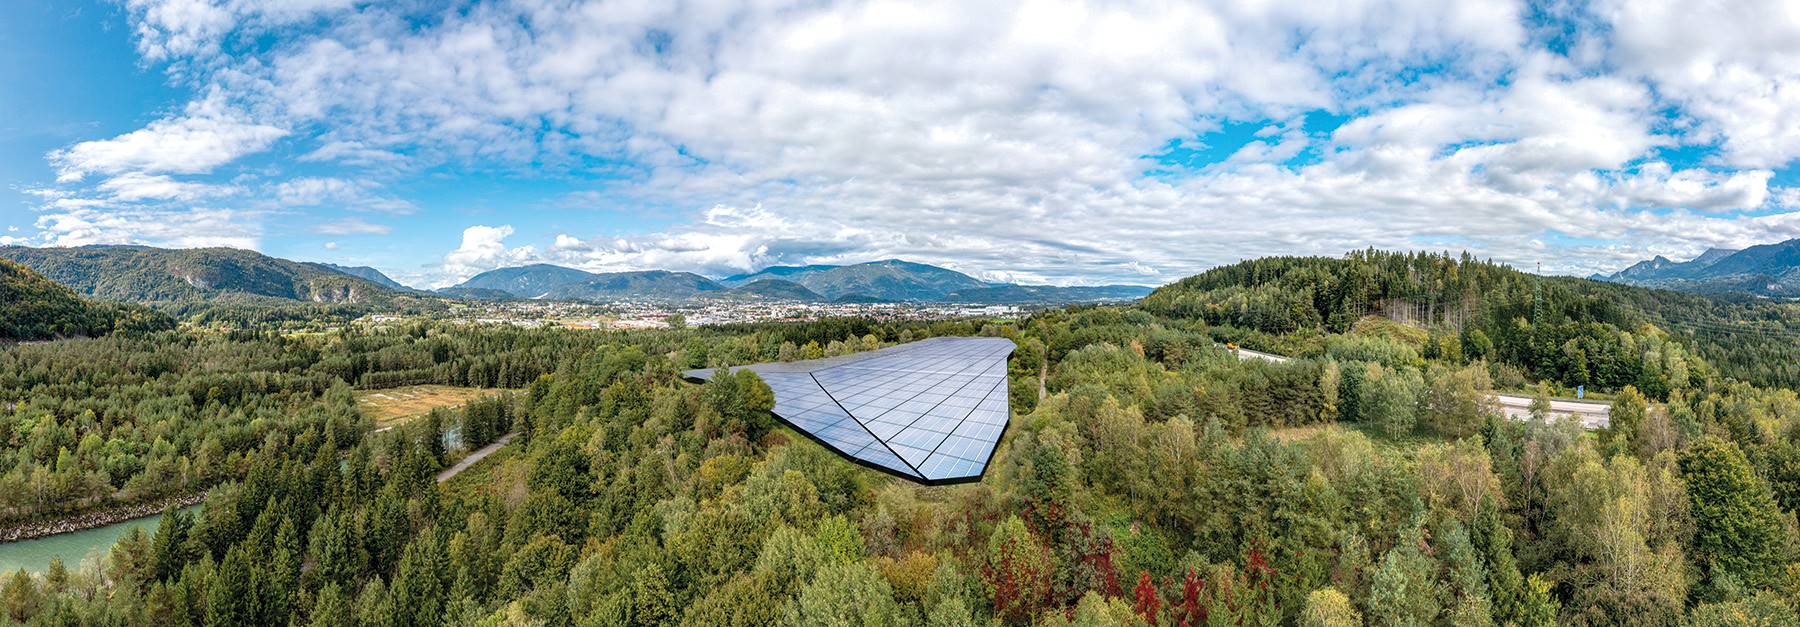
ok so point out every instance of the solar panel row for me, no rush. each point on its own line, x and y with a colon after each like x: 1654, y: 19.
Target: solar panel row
x: 931, y: 411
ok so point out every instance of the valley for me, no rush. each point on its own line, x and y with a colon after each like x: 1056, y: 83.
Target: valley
x: 482, y: 441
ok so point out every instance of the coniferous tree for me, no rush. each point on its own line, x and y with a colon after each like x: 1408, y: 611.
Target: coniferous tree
x: 1737, y: 525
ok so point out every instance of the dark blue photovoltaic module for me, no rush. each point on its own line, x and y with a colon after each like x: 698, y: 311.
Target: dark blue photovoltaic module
x: 931, y: 411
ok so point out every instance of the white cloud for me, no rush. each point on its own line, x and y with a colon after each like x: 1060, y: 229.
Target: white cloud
x: 330, y: 245
x: 1734, y: 66
x: 1788, y: 198
x: 137, y: 186
x: 483, y: 248
x: 168, y: 28
x: 207, y: 136
x: 1003, y: 138
x: 177, y: 229
x: 352, y: 226
x: 357, y: 195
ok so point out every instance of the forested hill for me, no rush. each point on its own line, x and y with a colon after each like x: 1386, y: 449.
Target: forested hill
x: 145, y: 274
x: 366, y: 272
x: 1576, y: 331
x: 35, y: 308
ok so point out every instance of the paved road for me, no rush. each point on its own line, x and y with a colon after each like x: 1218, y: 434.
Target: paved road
x: 1593, y: 415
x: 475, y: 457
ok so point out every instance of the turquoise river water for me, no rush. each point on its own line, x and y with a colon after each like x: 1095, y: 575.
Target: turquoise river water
x: 73, y: 547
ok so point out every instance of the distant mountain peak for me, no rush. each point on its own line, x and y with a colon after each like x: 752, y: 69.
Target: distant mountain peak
x: 367, y: 273
x: 1713, y: 254
x: 1764, y: 270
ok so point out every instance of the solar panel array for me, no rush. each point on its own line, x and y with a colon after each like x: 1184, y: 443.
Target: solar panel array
x: 931, y: 411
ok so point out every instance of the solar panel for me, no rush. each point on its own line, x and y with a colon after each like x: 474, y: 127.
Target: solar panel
x: 931, y: 411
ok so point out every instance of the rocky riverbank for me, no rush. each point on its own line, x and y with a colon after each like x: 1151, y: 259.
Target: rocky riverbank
x: 99, y: 518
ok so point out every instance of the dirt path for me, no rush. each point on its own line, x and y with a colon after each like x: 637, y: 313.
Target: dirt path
x: 475, y: 457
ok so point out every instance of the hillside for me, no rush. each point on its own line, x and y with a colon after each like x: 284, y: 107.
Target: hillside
x: 768, y: 289
x: 368, y: 274
x: 540, y: 280
x: 1771, y: 270
x: 889, y: 279
x: 873, y: 282
x: 1577, y: 331
x: 544, y: 281
x: 644, y: 284
x: 145, y: 274
x: 773, y: 272
x: 476, y: 293
x: 35, y: 308
x: 1048, y: 294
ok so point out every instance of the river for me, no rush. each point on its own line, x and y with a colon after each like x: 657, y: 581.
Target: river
x: 73, y: 547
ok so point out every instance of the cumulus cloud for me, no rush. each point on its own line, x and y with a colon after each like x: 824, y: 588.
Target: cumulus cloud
x: 179, y: 229
x: 1735, y: 67
x: 207, y: 136
x: 483, y: 248
x: 1005, y: 139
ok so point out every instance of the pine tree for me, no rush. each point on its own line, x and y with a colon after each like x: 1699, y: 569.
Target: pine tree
x: 169, y: 549
x: 1404, y: 590
x: 1468, y: 602
x: 1493, y: 540
x: 228, y: 598
x: 331, y: 609
x: 1737, y: 525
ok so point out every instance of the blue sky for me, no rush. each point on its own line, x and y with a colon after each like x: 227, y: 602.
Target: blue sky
x: 1056, y: 141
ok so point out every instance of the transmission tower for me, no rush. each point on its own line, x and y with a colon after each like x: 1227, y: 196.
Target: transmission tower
x: 1537, y: 296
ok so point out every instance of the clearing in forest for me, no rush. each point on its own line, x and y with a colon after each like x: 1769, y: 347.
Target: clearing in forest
x: 394, y: 405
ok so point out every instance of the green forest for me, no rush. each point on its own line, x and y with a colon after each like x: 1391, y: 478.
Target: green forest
x: 34, y: 308
x: 1155, y: 479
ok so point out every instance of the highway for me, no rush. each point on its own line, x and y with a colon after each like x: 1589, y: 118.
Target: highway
x: 1593, y: 415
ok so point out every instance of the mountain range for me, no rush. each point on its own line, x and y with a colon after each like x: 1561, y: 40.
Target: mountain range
x: 1770, y: 270
x: 158, y: 275
x: 145, y: 274
x: 889, y: 280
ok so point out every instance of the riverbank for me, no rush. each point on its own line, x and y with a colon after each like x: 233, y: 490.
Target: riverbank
x: 95, y: 519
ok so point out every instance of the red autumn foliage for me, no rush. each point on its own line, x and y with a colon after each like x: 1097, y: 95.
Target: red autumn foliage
x: 1148, y: 605
x: 1190, y: 612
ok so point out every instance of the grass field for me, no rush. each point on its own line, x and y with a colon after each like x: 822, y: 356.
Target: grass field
x: 501, y: 474
x: 395, y: 405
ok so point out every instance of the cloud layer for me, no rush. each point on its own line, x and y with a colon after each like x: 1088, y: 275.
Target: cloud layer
x: 1058, y: 141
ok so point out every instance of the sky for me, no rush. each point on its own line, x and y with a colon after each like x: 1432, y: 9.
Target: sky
x: 1061, y: 142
